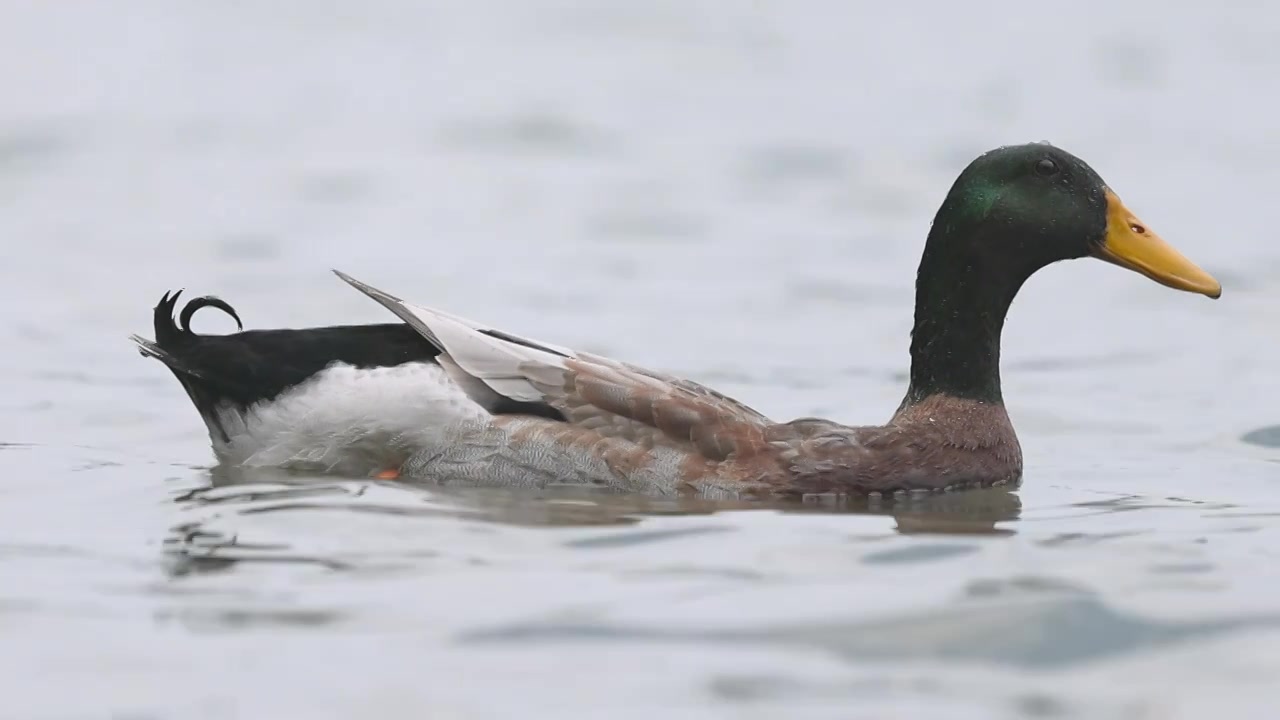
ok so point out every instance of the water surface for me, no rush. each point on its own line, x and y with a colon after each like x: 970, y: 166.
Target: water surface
x: 737, y: 192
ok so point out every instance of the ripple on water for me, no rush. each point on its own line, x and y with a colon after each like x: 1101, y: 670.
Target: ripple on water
x: 918, y: 554
x: 532, y: 132
x: 27, y: 149
x: 769, y: 167
x: 1268, y: 437
x: 1036, y: 629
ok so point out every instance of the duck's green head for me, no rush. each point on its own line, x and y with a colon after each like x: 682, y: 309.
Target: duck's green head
x: 1024, y: 206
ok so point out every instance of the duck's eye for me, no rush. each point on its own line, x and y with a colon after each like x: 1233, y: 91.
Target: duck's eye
x: 1046, y: 167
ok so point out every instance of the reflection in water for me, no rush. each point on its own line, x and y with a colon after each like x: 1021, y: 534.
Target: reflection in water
x: 264, y: 490
x: 196, y: 546
x: 190, y: 549
x: 975, y: 512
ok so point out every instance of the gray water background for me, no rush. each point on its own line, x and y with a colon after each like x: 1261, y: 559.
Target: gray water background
x: 734, y: 191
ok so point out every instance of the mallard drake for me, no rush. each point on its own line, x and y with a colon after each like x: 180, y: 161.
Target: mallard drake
x: 436, y: 397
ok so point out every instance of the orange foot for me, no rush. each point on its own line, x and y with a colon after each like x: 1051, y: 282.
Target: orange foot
x: 388, y: 475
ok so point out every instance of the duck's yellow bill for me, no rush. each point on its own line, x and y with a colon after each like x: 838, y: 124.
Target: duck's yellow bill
x: 1130, y: 244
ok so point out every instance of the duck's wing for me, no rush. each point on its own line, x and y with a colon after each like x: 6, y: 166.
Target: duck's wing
x: 601, y: 397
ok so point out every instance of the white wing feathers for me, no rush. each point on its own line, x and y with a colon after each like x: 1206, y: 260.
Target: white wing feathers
x: 481, y: 364
x: 490, y: 365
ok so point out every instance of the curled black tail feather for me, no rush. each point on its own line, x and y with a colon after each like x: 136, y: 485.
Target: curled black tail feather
x: 203, y: 302
x: 169, y: 331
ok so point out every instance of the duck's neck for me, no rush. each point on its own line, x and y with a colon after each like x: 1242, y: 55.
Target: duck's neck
x: 962, y: 297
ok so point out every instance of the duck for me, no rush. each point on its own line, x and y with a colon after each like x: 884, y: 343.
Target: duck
x: 440, y: 399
